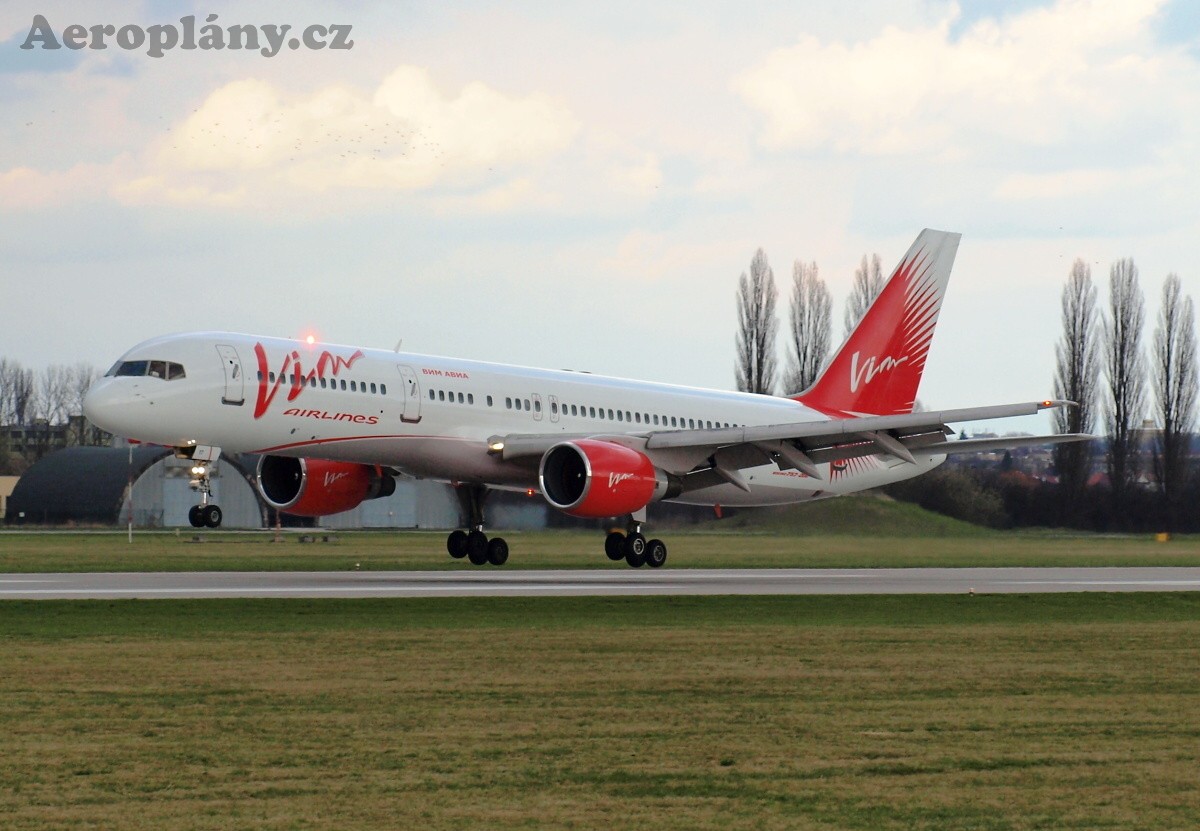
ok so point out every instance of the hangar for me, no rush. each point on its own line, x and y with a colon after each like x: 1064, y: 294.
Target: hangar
x: 92, y: 486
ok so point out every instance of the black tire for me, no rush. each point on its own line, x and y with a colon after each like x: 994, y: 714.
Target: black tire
x: 635, y: 553
x: 614, y: 546
x: 497, y: 551
x: 196, y: 516
x: 212, y: 516
x: 456, y: 544
x: 656, y: 553
x: 477, y: 548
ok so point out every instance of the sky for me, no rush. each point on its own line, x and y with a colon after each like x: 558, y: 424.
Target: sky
x: 580, y: 185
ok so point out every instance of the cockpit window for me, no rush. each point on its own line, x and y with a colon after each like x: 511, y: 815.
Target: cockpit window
x: 167, y: 370
x: 132, y: 368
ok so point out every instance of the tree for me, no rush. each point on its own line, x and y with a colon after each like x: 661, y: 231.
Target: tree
x: 1075, y: 379
x: 868, y: 282
x: 756, y: 328
x: 82, y: 376
x: 812, y: 320
x: 1125, y: 367
x: 1175, y: 391
x: 24, y: 394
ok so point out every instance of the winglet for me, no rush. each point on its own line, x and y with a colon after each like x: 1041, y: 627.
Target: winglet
x: 878, y: 369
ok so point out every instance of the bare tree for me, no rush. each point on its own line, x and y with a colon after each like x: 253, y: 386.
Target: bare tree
x: 1175, y: 392
x: 1125, y: 366
x: 812, y: 321
x: 1075, y: 379
x: 868, y: 282
x: 54, y: 393
x: 756, y: 328
x: 24, y: 394
x: 8, y: 371
x: 82, y: 376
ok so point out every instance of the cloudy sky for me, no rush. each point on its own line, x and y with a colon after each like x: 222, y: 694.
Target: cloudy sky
x: 581, y: 187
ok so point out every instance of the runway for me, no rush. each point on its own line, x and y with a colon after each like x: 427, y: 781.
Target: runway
x: 484, y: 582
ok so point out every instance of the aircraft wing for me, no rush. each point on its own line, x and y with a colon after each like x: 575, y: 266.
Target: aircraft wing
x: 718, y: 454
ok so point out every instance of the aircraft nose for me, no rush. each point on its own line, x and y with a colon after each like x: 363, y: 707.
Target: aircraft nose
x: 102, y: 405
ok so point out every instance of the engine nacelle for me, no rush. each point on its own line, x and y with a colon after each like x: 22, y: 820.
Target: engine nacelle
x: 593, y: 479
x: 318, y: 487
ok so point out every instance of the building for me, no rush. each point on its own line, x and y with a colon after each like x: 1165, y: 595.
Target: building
x: 150, y: 487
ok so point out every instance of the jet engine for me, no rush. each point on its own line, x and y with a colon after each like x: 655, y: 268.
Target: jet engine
x: 318, y: 487
x: 593, y: 478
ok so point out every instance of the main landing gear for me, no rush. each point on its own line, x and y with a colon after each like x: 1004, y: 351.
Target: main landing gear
x: 634, y: 548
x: 206, y: 514
x: 474, y: 544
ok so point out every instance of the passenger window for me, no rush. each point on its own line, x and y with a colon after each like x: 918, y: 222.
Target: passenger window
x: 470, y: 398
x: 383, y: 389
x: 526, y: 405
x: 601, y: 412
x: 610, y: 415
x: 460, y: 398
x: 353, y: 388
x: 692, y: 423
x: 489, y: 401
x: 508, y: 403
x: 656, y: 421
x: 573, y: 410
x: 553, y: 408
x: 441, y: 395
x: 620, y: 416
x: 593, y: 409
x: 322, y: 383
x: 673, y: 424
x: 372, y: 387
x: 432, y: 395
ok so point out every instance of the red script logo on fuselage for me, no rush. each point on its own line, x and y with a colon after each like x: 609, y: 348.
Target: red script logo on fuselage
x: 292, y: 374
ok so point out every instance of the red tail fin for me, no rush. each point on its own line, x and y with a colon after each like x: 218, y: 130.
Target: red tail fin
x: 878, y: 368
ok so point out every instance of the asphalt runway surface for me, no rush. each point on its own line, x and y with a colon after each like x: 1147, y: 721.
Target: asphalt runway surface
x: 492, y: 582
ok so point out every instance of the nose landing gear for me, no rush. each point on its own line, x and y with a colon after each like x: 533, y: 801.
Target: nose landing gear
x: 207, y: 514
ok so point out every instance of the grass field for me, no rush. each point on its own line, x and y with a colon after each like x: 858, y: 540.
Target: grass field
x: 374, y: 550
x: 1016, y: 712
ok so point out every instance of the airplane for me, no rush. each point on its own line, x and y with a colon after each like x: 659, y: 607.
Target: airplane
x: 334, y: 425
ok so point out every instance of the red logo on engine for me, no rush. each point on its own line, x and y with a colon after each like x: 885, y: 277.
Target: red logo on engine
x: 292, y: 374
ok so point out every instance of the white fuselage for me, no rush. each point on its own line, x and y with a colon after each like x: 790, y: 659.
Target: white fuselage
x: 429, y: 416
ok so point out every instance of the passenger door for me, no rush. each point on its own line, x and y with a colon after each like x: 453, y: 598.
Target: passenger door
x: 235, y: 382
x: 410, y: 389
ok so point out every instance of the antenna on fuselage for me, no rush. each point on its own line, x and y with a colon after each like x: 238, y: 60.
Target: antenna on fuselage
x: 398, y: 343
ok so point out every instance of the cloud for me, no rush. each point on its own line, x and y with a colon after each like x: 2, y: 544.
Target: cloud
x: 1071, y: 75
x: 406, y: 135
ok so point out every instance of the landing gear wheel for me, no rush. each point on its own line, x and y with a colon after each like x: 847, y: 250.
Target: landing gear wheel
x: 477, y: 548
x: 196, y: 516
x: 656, y: 553
x: 211, y: 515
x: 614, y: 546
x: 497, y: 551
x: 456, y: 544
x: 635, y: 550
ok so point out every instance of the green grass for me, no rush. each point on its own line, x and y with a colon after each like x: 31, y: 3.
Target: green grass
x: 763, y: 548
x: 1015, y: 712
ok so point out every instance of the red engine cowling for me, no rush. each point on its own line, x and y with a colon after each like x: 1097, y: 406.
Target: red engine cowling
x: 592, y: 478
x: 318, y: 487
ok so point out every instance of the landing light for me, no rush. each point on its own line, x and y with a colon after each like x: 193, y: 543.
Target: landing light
x: 310, y: 340
x: 198, y: 470
x: 496, y: 447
